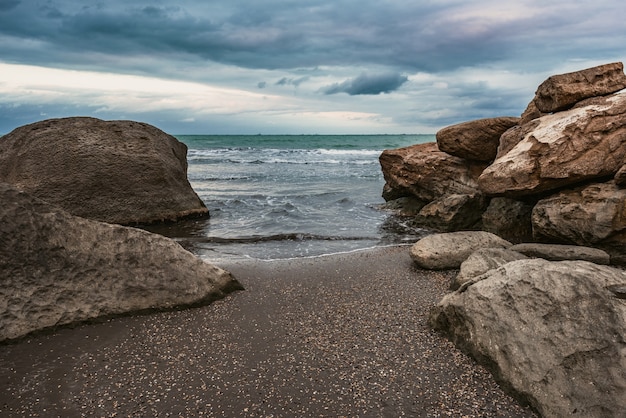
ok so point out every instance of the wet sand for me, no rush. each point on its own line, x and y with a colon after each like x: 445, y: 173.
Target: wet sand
x: 343, y: 335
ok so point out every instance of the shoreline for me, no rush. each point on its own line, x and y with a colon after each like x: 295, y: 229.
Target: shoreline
x: 336, y: 335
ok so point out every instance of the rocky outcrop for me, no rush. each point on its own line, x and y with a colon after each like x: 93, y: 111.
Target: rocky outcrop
x: 483, y: 260
x: 448, y: 251
x: 445, y: 185
x: 475, y: 140
x: 56, y: 268
x: 552, y: 332
x: 572, y: 133
x: 560, y: 252
x: 593, y: 215
x: 563, y: 149
x: 560, y: 92
x: 118, y: 171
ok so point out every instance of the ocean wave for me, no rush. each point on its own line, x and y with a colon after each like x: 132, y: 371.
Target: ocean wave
x: 281, y: 156
x: 295, y: 236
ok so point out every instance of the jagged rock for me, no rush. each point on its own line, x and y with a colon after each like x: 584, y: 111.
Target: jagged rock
x: 554, y: 333
x: 593, y: 215
x: 449, y: 250
x: 56, y: 268
x: 483, y: 260
x: 562, y: 149
x: 475, y: 140
x: 404, y: 206
x: 560, y: 252
x: 509, y: 219
x: 425, y: 172
x: 119, y: 171
x: 512, y: 137
x: 562, y: 91
x: 452, y: 213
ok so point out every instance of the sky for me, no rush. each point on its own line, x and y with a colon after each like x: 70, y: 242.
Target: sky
x: 293, y: 66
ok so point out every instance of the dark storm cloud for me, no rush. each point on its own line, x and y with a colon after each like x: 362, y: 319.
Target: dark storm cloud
x: 274, y: 34
x: 8, y: 4
x: 454, y: 53
x: 368, y: 84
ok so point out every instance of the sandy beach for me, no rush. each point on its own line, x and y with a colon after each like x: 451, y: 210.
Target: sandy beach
x: 336, y: 336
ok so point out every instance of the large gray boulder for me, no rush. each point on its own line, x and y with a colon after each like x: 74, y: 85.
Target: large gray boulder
x: 552, y: 332
x: 560, y: 252
x: 118, y: 171
x: 561, y: 149
x: 483, y: 260
x: 449, y: 250
x: 475, y: 140
x: 562, y: 91
x: 592, y: 215
x: 56, y: 268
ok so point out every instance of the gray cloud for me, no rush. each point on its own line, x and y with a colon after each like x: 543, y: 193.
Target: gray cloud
x: 368, y: 84
x: 8, y: 4
x: 286, y: 81
x: 409, y: 36
x: 235, y: 43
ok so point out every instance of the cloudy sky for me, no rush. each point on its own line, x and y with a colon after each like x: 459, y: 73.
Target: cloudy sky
x: 293, y: 66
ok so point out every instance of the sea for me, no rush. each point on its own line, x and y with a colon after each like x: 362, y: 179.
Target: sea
x: 273, y: 197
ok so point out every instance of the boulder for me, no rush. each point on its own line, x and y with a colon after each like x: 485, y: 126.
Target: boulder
x: 475, y: 140
x: 118, y: 171
x: 562, y: 91
x: 404, y: 206
x: 452, y: 213
x: 509, y: 219
x: 449, y: 250
x: 593, y: 215
x: 56, y: 268
x: 554, y: 333
x: 563, y: 149
x: 426, y: 173
x: 559, y: 252
x: 483, y: 260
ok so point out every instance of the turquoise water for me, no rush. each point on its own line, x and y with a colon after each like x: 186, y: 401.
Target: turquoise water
x: 287, y: 196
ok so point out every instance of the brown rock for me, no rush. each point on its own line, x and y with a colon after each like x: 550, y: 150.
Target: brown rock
x: 475, y: 140
x: 119, y: 171
x: 452, y: 213
x: 561, y: 92
x: 425, y: 172
x: 509, y: 219
x: 561, y: 149
x: 593, y: 215
x: 56, y: 268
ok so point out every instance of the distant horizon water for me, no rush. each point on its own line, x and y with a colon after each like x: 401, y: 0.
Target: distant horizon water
x: 289, y: 196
